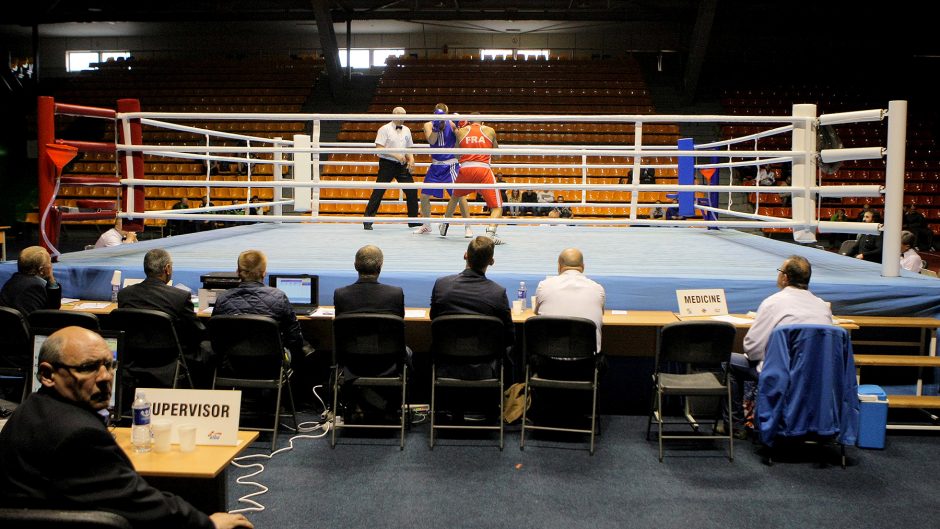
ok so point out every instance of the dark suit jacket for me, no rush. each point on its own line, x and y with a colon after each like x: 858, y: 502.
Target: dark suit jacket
x: 369, y: 296
x: 27, y: 293
x: 55, y: 454
x: 154, y: 294
x: 472, y: 293
x: 870, y: 247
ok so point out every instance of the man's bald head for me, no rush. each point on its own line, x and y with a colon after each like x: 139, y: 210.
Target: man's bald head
x: 570, y: 259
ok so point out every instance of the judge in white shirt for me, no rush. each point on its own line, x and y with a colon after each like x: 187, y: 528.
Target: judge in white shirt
x: 910, y: 259
x: 116, y: 236
x: 571, y: 293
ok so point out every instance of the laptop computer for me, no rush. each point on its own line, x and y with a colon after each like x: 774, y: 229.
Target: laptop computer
x: 303, y: 290
x: 115, y: 341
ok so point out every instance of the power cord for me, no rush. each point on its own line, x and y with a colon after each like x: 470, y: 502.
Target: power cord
x: 303, y: 427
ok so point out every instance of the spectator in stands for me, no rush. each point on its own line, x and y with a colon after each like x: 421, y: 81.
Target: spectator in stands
x: 470, y: 292
x: 179, y: 227
x: 647, y: 175
x: 916, y: 223
x: 861, y: 214
x: 544, y: 197
x: 155, y: 293
x: 57, y: 453
x: 793, y: 304
x: 658, y: 212
x: 515, y: 197
x: 252, y: 297
x: 394, y: 166
x: 529, y: 197
x: 766, y: 176
x: 673, y: 212
x: 257, y: 210
x: 910, y: 259
x: 869, y: 245
x: 562, y: 211
x: 116, y: 236
x: 571, y: 293
x: 836, y: 239
x: 32, y: 286
x: 367, y: 295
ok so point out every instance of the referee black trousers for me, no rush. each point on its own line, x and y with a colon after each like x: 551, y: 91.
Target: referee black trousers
x: 390, y: 170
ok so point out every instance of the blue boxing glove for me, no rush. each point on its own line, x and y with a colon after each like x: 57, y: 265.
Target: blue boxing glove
x: 437, y: 125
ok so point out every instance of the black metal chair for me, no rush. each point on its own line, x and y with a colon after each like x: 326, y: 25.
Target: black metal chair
x: 56, y: 319
x: 561, y: 354
x: 692, y: 361
x: 464, y: 346
x: 153, y: 356
x: 250, y: 355
x: 16, y: 349
x: 12, y: 518
x: 369, y: 351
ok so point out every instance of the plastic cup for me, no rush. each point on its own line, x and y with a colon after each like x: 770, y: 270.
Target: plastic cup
x: 187, y: 435
x: 161, y: 436
x: 517, y: 306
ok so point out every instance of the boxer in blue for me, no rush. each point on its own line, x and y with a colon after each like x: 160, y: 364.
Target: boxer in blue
x: 443, y: 169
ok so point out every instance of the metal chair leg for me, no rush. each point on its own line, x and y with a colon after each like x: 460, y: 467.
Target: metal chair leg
x: 433, y: 403
x: 404, y: 405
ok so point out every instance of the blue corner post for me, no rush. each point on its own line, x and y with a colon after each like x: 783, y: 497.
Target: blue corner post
x: 686, y: 177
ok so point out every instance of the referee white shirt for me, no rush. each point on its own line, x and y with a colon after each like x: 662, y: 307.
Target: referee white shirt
x: 571, y: 293
x: 392, y: 136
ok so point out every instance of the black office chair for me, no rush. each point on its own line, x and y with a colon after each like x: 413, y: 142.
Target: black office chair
x: 56, y: 319
x: 250, y: 355
x: 12, y: 518
x: 561, y: 354
x: 369, y: 351
x: 692, y: 361
x: 462, y: 347
x: 152, y: 353
x: 16, y: 349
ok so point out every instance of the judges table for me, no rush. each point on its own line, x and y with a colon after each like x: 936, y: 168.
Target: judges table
x: 198, y: 476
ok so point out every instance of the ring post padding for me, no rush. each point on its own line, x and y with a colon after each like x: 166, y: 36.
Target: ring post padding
x: 302, y: 173
x: 686, y: 177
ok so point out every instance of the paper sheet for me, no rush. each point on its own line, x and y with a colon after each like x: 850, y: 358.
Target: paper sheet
x: 415, y: 313
x: 92, y: 306
x: 733, y: 319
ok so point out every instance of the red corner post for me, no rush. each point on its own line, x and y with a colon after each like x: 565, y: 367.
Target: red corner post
x: 132, y: 167
x: 47, y: 174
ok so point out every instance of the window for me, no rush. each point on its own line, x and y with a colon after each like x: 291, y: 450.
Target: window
x: 364, y: 58
x: 381, y: 55
x: 532, y: 54
x: 76, y: 61
x: 495, y: 54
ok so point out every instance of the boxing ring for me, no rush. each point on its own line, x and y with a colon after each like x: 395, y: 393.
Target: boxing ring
x: 640, y: 261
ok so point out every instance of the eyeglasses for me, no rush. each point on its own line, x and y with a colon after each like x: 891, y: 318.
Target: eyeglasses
x: 89, y: 367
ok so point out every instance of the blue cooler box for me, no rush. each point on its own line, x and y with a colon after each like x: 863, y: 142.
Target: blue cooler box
x: 872, y: 416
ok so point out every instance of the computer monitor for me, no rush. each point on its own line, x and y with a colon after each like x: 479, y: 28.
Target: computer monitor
x: 302, y: 290
x: 115, y: 341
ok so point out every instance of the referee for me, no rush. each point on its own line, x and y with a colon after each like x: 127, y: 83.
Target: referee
x: 392, y: 166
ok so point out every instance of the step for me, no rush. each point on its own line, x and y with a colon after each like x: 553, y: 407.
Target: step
x: 897, y: 360
x: 913, y: 401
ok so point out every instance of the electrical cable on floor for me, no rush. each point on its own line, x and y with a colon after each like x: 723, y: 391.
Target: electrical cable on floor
x: 255, y: 506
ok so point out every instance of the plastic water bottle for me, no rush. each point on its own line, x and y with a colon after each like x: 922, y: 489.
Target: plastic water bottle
x: 115, y: 285
x: 521, y: 293
x: 141, y: 433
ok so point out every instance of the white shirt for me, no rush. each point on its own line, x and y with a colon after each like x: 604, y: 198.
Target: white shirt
x: 546, y: 196
x: 572, y: 294
x: 109, y: 238
x: 910, y: 260
x: 765, y: 177
x: 391, y: 137
x: 789, y: 306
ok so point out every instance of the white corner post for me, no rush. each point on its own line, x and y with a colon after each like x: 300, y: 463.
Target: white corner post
x: 301, y: 173
x: 278, y: 209
x: 803, y: 204
x: 894, y: 189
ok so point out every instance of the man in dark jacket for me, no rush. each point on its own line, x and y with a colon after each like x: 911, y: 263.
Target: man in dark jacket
x: 252, y: 297
x: 33, y: 286
x: 155, y: 293
x: 470, y: 292
x: 57, y: 453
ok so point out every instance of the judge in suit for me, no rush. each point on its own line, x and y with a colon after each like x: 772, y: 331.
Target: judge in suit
x: 33, y: 286
x: 367, y: 294
x: 154, y: 293
x: 57, y: 453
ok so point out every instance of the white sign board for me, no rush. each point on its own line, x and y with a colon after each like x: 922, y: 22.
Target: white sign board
x: 702, y: 302
x: 214, y: 413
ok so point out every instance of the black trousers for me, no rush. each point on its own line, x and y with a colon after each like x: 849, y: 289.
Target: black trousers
x: 388, y: 171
